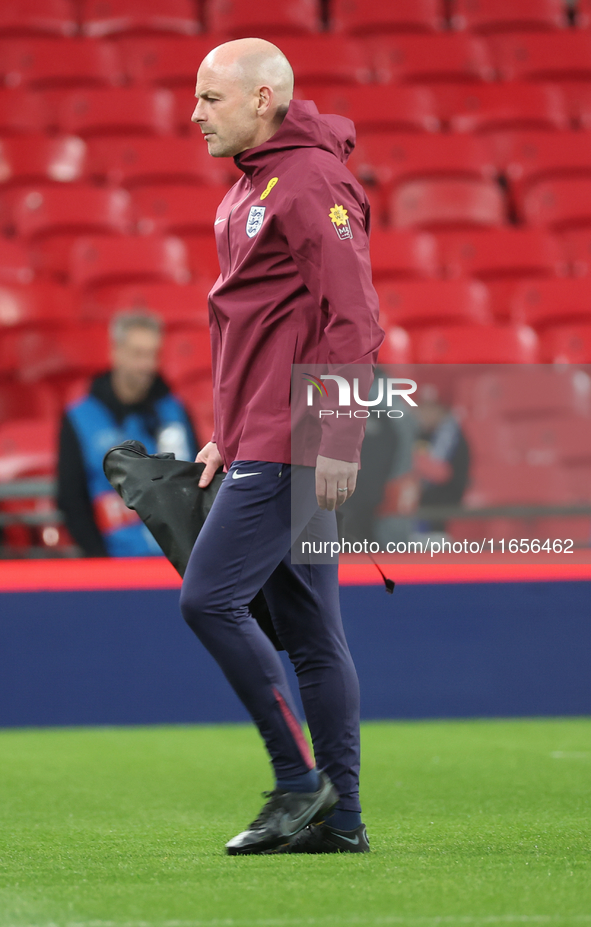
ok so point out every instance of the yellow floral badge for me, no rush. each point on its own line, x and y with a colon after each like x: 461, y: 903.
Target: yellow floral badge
x: 339, y: 217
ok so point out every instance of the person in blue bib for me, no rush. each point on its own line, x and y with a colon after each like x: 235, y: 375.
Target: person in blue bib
x: 130, y: 401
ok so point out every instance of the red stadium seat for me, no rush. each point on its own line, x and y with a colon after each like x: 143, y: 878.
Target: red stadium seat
x: 529, y: 157
x: 395, y: 348
x: 583, y: 14
x: 15, y: 263
x: 133, y: 162
x: 498, y: 107
x: 186, y: 353
x: 41, y: 305
x: 402, y: 254
x: 405, y: 109
x: 475, y: 344
x: 96, y: 261
x: 541, y: 303
x: 486, y: 16
x: 122, y: 17
x: 52, y: 219
x: 27, y: 446
x: 502, y: 258
x: 500, y: 253
x: 266, y: 18
x: 124, y: 111
x: 35, y: 400
x: 577, y: 94
x: 558, y: 204
x: 523, y: 394
x: 37, y: 354
x: 418, y: 304
x: 176, y: 305
x: 177, y: 210
x: 390, y: 158
x: 577, y: 245
x: 63, y: 210
x: 566, y: 344
x: 22, y: 112
x: 436, y: 204
x: 55, y: 63
x: 503, y: 482
x: 562, y: 55
x: 366, y: 17
x: 327, y: 59
x: 203, y: 255
x: 38, y: 17
x: 431, y: 58
x: 39, y: 160
x: 163, y: 61
x: 197, y: 397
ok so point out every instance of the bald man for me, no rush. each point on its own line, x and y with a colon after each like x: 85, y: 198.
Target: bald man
x: 294, y: 288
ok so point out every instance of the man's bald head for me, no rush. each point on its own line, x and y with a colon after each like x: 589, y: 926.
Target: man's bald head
x: 254, y: 62
x: 243, y: 91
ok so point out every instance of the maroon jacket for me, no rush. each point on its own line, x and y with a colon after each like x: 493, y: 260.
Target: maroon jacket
x: 295, y: 284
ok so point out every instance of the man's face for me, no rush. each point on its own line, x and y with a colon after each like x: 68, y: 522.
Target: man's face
x: 430, y: 415
x: 135, y: 359
x: 225, y: 112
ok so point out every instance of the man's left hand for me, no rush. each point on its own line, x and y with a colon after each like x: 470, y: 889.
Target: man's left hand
x: 335, y: 481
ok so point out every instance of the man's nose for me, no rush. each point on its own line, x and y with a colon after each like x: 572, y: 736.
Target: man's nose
x: 197, y: 116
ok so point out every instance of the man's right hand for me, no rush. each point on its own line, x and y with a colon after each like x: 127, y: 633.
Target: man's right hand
x: 211, y: 457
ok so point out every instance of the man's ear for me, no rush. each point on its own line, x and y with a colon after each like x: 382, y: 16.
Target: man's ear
x: 264, y: 100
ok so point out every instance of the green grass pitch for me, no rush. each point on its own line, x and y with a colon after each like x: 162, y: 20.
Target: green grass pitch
x: 471, y: 823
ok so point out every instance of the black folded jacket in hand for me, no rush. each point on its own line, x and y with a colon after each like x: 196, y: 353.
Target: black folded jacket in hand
x: 167, y: 497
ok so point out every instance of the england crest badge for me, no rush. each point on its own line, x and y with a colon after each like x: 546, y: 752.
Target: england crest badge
x: 255, y: 220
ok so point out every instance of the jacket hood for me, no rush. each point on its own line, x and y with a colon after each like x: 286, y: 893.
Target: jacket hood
x: 303, y: 127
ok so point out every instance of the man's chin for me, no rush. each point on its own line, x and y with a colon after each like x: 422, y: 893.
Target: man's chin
x: 216, y: 151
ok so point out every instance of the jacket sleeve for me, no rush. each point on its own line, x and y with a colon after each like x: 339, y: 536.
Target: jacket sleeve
x: 72, y: 494
x: 326, y: 226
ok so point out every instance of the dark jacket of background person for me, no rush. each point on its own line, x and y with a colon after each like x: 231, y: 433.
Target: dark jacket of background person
x: 295, y: 285
x: 95, y: 516
x: 447, y: 445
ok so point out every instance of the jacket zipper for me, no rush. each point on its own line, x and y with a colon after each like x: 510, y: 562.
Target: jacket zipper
x: 228, y: 224
x: 230, y: 259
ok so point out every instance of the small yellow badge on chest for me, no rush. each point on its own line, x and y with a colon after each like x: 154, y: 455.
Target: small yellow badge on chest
x: 269, y: 187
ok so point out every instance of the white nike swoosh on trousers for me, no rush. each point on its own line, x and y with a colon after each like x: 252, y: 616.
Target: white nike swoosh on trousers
x: 240, y: 476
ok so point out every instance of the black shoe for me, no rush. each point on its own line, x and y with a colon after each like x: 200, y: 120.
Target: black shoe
x: 323, y: 838
x: 282, y: 817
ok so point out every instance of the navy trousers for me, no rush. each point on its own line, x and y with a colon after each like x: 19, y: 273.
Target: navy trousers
x: 244, y: 546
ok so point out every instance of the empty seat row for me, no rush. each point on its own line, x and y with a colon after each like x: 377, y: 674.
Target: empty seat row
x: 51, y: 227
x: 114, y: 273
x: 84, y: 350
x: 125, y: 161
x: 488, y: 344
x: 464, y: 203
x: 44, y: 355
x: 536, y: 302
x: 38, y: 63
x: 236, y: 17
x: 380, y: 159
x: 484, y: 109
x: 51, y: 306
x: 46, y: 218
